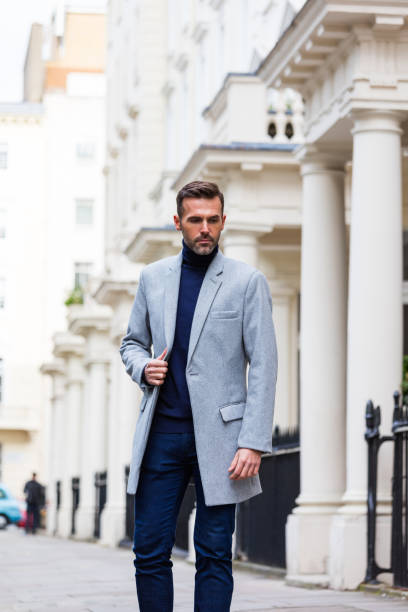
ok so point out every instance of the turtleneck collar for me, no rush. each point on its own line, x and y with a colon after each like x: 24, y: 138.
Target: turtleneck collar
x: 192, y: 259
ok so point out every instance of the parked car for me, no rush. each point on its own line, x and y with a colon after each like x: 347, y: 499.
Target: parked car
x: 10, y: 507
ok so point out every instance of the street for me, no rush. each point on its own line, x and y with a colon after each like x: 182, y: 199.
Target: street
x: 43, y: 573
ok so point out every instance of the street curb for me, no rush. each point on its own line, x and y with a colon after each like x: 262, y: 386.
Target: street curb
x: 384, y: 590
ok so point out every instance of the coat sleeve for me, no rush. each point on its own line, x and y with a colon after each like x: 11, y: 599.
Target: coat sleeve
x: 261, y: 351
x: 136, y: 346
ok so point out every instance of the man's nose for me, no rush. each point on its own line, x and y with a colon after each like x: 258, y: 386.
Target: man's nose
x: 204, y: 227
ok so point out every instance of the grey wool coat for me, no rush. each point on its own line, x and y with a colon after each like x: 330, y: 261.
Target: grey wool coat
x: 232, y: 328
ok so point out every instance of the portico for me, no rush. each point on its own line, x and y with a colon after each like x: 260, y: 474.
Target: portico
x: 348, y: 61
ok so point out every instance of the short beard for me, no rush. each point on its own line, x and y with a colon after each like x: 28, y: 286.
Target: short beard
x: 201, y: 250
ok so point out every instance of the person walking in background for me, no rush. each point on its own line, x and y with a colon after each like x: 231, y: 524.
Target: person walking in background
x: 35, y: 500
x: 207, y: 317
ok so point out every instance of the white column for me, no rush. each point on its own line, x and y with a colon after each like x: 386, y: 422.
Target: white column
x: 56, y: 371
x: 94, y: 455
x: 322, y: 367
x: 241, y: 245
x: 93, y: 323
x: 374, y: 362
x: 285, y: 319
x: 124, y: 400
x: 71, y: 348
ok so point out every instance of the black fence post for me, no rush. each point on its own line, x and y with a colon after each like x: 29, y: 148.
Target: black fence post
x: 75, y: 484
x: 127, y: 541
x: 399, y: 543
x: 372, y: 436
x: 374, y: 441
x: 57, y: 505
x: 100, y: 500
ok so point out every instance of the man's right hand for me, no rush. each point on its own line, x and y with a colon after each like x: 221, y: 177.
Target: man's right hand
x: 156, y: 370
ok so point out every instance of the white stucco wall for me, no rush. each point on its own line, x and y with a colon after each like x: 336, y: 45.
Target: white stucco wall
x: 22, y: 254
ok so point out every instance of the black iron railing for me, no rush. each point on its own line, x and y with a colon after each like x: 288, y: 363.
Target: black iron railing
x: 399, y: 544
x: 58, y: 494
x: 75, y: 485
x: 129, y: 514
x: 261, y: 520
x: 399, y: 531
x: 100, y: 500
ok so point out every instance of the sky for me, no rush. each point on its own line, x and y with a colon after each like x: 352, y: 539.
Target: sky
x: 16, y: 18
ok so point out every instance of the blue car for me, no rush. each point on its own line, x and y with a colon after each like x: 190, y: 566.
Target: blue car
x: 10, y: 507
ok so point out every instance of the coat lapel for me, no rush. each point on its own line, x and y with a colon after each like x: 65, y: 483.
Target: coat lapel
x: 211, y: 283
x: 171, y: 291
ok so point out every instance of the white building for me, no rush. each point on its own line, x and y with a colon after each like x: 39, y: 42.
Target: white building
x: 23, y: 440
x: 52, y: 220
x: 324, y: 223
x: 174, y: 113
x: 349, y: 61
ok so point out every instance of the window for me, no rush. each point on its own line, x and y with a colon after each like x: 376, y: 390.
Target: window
x: 2, y: 494
x: 2, y: 292
x: 82, y: 273
x: 85, y: 150
x: 84, y: 211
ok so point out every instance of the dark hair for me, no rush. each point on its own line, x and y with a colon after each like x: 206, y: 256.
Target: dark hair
x: 198, y: 189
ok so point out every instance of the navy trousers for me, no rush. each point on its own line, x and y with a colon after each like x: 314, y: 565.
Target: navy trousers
x: 168, y: 463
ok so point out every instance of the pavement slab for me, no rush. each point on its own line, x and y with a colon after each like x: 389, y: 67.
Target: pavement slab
x: 41, y: 573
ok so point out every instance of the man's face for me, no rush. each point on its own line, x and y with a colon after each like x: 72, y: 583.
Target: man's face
x: 201, y: 224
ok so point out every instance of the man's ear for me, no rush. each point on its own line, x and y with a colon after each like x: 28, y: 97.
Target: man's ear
x: 177, y: 222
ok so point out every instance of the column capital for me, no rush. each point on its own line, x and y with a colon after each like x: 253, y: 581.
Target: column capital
x: 56, y: 370
x: 110, y: 291
x: 83, y: 319
x: 317, y: 160
x: 97, y: 358
x: 53, y: 368
x: 367, y: 120
x: 68, y: 345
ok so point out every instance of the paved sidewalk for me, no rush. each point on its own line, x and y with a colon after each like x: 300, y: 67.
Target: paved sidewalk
x: 41, y: 573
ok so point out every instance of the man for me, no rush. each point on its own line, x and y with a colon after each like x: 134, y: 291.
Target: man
x: 34, y: 493
x: 207, y: 317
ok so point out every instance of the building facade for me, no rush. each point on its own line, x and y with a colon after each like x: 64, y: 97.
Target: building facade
x: 303, y: 126
x: 52, y: 219
x: 349, y: 62
x: 174, y: 113
x: 23, y: 423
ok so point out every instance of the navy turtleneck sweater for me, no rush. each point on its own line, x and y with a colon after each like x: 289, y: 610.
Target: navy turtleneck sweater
x: 173, y: 408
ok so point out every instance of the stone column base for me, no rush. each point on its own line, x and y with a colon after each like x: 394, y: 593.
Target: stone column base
x: 348, y: 549
x: 85, y: 523
x: 51, y: 518
x: 113, y: 524
x: 307, y: 548
x: 64, y: 521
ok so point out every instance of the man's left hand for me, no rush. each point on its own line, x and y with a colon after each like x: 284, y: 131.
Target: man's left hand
x: 245, y: 464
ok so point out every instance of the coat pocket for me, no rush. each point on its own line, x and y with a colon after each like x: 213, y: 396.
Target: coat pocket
x: 224, y: 314
x: 233, y: 411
